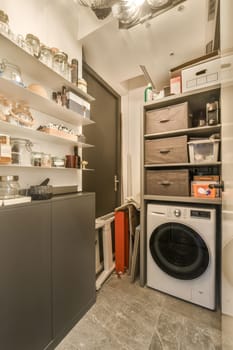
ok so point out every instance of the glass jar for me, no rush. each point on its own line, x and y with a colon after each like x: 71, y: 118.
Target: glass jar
x: 46, y: 160
x: 36, y: 158
x: 82, y: 85
x: 21, y: 151
x: 9, y: 187
x: 60, y: 64
x: 10, y: 71
x: 5, y: 108
x: 4, y: 23
x: 34, y: 43
x: 46, y: 55
x: 58, y: 162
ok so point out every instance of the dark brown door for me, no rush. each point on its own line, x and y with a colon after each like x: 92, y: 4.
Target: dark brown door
x: 104, y: 158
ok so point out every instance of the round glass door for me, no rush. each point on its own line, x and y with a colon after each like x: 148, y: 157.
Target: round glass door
x: 179, y: 251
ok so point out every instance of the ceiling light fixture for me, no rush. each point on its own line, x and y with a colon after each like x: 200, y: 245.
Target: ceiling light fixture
x: 129, y: 12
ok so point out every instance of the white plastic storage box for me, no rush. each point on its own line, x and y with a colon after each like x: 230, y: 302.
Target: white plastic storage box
x: 201, y: 75
x: 203, y: 151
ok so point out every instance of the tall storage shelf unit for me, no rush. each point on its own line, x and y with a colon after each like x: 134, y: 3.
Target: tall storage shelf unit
x: 33, y: 70
x: 165, y: 154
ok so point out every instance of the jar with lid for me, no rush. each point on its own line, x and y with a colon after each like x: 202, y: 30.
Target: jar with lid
x: 60, y: 63
x: 82, y: 85
x: 58, y: 162
x: 21, y: 151
x: 5, y: 108
x: 36, y: 158
x: 46, y: 55
x: 34, y: 43
x: 5, y: 149
x: 10, y: 71
x: 4, y: 23
x: 46, y: 160
x: 9, y: 186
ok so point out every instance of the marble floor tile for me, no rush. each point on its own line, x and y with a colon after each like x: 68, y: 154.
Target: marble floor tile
x: 128, y: 317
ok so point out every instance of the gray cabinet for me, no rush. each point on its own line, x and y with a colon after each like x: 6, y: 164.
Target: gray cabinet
x: 47, y: 270
x: 73, y: 257
x: 25, y: 270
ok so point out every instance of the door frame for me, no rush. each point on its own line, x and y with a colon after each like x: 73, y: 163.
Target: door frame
x: 118, y: 164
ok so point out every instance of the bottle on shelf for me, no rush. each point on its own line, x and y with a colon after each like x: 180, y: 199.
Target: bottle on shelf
x: 148, y: 93
x: 78, y: 157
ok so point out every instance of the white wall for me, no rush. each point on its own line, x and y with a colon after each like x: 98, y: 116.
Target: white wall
x: 226, y: 12
x: 131, y: 135
x: 56, y: 25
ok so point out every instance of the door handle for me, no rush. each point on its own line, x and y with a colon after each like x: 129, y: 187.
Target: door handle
x: 220, y: 185
x: 116, y: 181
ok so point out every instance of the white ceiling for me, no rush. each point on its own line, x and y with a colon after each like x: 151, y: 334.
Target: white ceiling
x: 116, y: 54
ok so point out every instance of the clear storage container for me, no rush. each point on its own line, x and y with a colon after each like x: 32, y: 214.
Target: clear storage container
x: 4, y: 22
x: 21, y: 151
x: 46, y: 55
x: 34, y: 43
x: 203, y: 151
x: 9, y: 187
x: 60, y: 64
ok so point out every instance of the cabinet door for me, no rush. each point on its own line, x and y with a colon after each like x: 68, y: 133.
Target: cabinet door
x: 73, y: 260
x: 25, y: 288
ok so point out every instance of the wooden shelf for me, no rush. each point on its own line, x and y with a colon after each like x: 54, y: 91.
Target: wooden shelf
x: 179, y: 98
x: 38, y: 70
x: 215, y: 201
x: 39, y: 103
x: 199, y: 131
x: 22, y: 132
x: 173, y: 165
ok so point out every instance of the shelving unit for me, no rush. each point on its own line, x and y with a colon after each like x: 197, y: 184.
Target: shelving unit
x: 196, y: 101
x: 38, y: 70
x: 46, y: 76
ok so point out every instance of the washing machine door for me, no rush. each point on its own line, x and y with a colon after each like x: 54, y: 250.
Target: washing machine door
x: 179, y: 251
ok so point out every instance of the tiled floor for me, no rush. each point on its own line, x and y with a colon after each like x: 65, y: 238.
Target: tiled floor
x: 128, y: 317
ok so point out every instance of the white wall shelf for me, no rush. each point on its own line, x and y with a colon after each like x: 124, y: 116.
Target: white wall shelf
x: 37, y: 167
x: 22, y: 132
x: 187, y: 199
x: 42, y: 104
x: 38, y: 70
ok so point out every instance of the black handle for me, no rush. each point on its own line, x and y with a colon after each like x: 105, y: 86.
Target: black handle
x: 45, y: 182
x: 220, y: 185
x: 164, y: 151
x: 203, y: 71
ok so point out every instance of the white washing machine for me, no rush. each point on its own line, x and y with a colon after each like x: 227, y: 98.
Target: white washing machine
x: 181, y: 252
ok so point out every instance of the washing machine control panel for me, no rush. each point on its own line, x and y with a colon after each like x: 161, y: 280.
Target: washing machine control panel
x: 177, y: 213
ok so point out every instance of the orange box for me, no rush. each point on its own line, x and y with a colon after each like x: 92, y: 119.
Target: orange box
x: 175, y: 85
x: 203, y: 191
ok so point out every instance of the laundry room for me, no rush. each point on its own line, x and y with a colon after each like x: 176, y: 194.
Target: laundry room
x: 116, y: 174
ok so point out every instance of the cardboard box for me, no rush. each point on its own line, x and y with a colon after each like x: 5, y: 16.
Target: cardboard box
x: 202, y: 190
x: 201, y: 75
x: 175, y: 85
